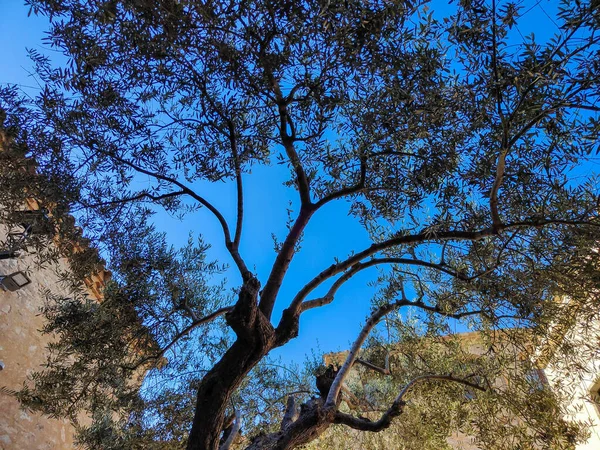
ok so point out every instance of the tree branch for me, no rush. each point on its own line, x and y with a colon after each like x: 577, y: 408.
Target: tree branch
x: 140, y: 196
x: 359, y: 423
x: 567, y: 57
x: 283, y: 260
x: 379, y: 246
x: 297, y: 303
x: 238, y: 184
x: 436, y: 309
x: 382, y: 370
x: 328, y: 297
x: 233, y: 433
x: 287, y: 140
x: 501, y: 162
x: 225, y: 227
x: 500, y: 165
x: 506, y: 143
x: 208, y: 318
x: 378, y: 314
x: 373, y: 320
x: 291, y: 412
x: 349, y: 190
x: 232, y: 245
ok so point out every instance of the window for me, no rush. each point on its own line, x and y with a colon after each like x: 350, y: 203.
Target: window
x: 14, y: 281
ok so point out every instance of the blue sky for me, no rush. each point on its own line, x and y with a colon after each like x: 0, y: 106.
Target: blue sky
x: 331, y: 232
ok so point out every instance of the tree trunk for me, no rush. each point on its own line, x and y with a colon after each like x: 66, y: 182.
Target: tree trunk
x: 255, y: 338
x: 311, y: 423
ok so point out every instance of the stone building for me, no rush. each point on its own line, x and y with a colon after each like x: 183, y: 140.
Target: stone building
x: 23, y: 346
x: 584, y: 405
x: 583, y: 383
x: 23, y: 281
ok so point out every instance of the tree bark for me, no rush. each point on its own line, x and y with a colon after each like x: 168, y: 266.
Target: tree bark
x: 255, y: 338
x: 311, y: 423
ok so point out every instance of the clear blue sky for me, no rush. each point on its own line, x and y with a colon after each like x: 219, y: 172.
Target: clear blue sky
x: 331, y: 233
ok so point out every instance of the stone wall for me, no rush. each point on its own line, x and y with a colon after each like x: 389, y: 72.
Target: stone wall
x: 582, y: 385
x: 23, y: 350
x: 23, y: 346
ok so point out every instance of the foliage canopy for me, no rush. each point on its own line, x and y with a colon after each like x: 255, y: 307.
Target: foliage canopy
x: 464, y: 149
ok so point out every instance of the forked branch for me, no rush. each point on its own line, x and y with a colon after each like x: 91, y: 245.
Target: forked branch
x: 187, y: 190
x: 328, y: 297
x: 373, y: 320
x: 360, y: 423
x: 296, y: 306
x: 287, y: 139
x: 208, y: 318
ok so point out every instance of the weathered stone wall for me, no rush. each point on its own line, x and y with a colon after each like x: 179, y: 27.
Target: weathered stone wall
x: 23, y: 350
x: 581, y: 383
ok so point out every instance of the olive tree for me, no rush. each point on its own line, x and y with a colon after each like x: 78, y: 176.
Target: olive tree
x: 464, y: 147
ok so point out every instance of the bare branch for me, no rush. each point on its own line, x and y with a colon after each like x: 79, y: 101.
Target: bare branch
x: 363, y: 424
x: 232, y: 245
x: 210, y: 317
x: 545, y: 222
x: 291, y: 412
x: 594, y: 108
x: 382, y: 370
x: 177, y: 183
x: 452, y: 378
x: 360, y: 423
x: 233, y: 433
x: 360, y: 185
